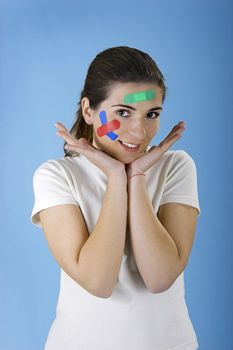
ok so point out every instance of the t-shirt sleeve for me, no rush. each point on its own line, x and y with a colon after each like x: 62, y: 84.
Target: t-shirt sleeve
x: 181, y: 181
x: 50, y: 188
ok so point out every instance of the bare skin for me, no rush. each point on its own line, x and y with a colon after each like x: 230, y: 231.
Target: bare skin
x: 110, y: 165
x: 144, y: 162
x: 139, y: 126
x: 101, y: 159
x: 117, y: 164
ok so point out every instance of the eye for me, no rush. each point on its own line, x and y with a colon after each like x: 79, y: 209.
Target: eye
x: 155, y: 113
x: 121, y: 110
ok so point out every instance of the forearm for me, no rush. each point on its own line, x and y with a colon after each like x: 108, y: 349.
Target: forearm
x: 100, y: 257
x: 154, y: 249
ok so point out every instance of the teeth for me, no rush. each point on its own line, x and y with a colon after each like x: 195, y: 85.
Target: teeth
x: 129, y: 144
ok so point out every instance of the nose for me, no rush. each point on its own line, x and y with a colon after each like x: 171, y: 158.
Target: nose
x: 137, y: 131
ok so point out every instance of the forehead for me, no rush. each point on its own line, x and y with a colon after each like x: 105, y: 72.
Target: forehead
x: 119, y: 91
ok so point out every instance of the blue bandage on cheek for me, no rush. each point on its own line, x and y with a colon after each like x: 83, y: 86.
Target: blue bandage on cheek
x: 103, y: 118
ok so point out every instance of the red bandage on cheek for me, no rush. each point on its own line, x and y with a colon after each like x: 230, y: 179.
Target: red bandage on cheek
x: 106, y: 128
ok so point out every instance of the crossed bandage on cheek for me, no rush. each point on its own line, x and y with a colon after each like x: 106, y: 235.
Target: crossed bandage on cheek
x: 107, y: 128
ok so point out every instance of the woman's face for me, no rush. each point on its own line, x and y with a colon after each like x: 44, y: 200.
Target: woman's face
x: 138, y: 121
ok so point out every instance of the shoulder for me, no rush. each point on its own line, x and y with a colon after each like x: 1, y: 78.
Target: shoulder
x: 176, y: 164
x: 56, y: 166
x: 178, y: 154
x: 60, y: 172
x: 52, y: 186
x: 174, y: 158
x: 180, y: 166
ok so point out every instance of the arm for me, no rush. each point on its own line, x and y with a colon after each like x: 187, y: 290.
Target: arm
x: 100, y: 257
x: 93, y: 261
x: 160, y: 258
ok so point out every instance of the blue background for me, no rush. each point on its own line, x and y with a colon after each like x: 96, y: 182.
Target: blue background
x: 46, y: 48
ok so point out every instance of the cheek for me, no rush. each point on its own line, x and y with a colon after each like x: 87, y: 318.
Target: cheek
x: 108, y: 128
x: 152, y: 130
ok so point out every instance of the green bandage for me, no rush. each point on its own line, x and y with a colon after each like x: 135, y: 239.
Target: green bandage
x: 139, y: 96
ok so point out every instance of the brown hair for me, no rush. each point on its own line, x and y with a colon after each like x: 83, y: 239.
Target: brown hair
x: 120, y: 64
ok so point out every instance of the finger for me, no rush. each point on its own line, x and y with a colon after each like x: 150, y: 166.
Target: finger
x: 156, y: 152
x: 167, y: 138
x: 176, y: 130
x: 73, y: 144
x: 166, y: 145
x: 170, y: 137
x: 84, y: 141
x: 61, y: 127
x: 68, y: 138
x: 63, y: 132
x: 76, y: 148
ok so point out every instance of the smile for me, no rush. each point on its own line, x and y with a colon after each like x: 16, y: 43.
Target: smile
x: 129, y: 146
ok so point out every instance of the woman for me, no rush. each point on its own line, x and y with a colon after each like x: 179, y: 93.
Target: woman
x: 119, y: 215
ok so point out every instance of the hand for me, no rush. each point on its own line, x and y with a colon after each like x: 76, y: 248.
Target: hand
x: 102, y: 160
x: 144, y: 162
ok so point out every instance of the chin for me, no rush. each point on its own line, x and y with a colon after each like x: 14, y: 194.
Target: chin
x: 130, y: 159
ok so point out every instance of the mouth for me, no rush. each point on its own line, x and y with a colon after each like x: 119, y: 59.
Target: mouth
x: 129, y: 147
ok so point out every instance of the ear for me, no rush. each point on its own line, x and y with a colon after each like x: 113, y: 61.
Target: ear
x: 87, y: 111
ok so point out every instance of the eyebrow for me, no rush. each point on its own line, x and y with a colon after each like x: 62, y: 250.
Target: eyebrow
x: 134, y: 109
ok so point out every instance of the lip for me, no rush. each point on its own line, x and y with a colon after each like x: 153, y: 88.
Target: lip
x: 135, y: 144
x: 129, y: 149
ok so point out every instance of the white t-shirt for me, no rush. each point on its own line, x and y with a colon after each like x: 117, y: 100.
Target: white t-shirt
x: 132, y: 318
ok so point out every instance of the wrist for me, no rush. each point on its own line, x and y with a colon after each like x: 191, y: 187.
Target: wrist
x: 119, y: 176
x: 131, y: 176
